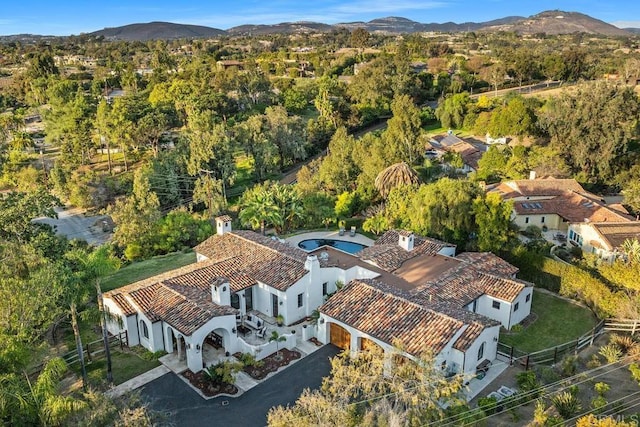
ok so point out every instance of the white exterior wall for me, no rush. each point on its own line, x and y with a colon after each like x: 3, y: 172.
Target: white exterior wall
x: 485, y: 307
x: 588, y: 233
x: 524, y: 306
x: 125, y: 323
x: 470, y: 358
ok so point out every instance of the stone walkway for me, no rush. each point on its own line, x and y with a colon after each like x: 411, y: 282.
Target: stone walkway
x: 138, y: 381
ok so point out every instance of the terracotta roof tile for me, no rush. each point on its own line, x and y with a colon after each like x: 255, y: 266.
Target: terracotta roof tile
x: 470, y: 334
x: 615, y: 233
x: 274, y: 263
x: 389, y: 317
x: 122, y: 303
x: 487, y: 262
x: 571, y: 206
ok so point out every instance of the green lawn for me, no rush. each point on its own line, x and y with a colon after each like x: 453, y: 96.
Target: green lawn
x: 558, y: 322
x: 124, y: 366
x: 147, y: 268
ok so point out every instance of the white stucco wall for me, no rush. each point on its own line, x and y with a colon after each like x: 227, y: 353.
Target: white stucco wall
x: 485, y: 307
x: 468, y: 361
x: 524, y: 306
x: 588, y: 233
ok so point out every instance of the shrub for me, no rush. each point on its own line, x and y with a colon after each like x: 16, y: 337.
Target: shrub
x: 222, y: 372
x: 598, y: 404
x: 611, y: 352
x: 566, y: 404
x: 569, y: 365
x: 594, y: 362
x: 548, y: 375
x: 624, y: 342
x: 488, y: 405
x: 248, y: 359
x: 601, y: 388
x: 635, y: 371
x: 527, y: 381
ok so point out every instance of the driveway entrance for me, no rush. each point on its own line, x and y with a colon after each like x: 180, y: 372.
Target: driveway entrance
x: 169, y: 394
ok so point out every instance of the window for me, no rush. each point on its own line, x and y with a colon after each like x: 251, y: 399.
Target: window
x: 516, y: 306
x: 542, y: 220
x: 481, y: 351
x: 144, y: 329
x: 496, y: 304
x: 300, y: 300
x: 235, y: 301
x: 526, y: 220
x: 324, y: 288
x: 528, y: 298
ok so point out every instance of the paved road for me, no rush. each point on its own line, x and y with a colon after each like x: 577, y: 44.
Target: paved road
x: 73, y: 224
x: 186, y: 408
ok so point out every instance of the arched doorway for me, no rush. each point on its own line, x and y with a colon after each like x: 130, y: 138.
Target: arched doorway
x: 215, y: 346
x: 339, y: 336
x: 177, y: 343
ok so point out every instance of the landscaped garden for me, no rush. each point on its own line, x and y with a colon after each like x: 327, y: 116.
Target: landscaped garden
x: 554, y: 321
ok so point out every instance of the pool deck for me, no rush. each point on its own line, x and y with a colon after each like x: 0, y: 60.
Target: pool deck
x: 329, y: 234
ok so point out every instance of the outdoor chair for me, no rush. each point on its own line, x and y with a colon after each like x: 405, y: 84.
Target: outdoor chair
x: 341, y: 231
x: 261, y: 333
x: 352, y: 233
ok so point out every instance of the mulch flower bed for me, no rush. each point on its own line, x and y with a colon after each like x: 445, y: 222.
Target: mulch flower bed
x: 271, y: 363
x: 208, y: 388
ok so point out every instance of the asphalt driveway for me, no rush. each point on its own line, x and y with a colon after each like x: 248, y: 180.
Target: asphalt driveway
x: 186, y: 408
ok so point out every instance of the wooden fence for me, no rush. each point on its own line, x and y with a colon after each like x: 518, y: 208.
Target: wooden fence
x: 553, y: 354
x: 91, y: 351
x: 95, y: 349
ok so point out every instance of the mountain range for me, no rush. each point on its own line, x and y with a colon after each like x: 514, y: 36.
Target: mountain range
x: 550, y: 22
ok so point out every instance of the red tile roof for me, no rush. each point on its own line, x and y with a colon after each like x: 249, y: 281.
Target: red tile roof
x: 615, y: 233
x: 468, y: 337
x: 271, y: 262
x: 389, y: 317
x: 571, y: 206
x: 487, y: 262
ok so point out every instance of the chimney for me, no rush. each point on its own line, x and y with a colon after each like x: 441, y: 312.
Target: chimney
x: 220, y: 291
x: 311, y: 263
x: 405, y: 240
x: 223, y: 224
x: 532, y: 175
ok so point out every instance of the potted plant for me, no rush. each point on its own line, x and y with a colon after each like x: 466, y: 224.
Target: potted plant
x: 280, y: 319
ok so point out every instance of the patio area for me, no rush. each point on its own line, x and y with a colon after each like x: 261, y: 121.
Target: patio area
x: 476, y: 385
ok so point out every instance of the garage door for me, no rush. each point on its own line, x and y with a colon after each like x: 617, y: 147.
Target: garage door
x: 339, y: 336
x: 367, y: 344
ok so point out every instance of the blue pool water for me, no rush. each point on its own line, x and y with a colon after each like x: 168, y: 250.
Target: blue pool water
x: 311, y: 244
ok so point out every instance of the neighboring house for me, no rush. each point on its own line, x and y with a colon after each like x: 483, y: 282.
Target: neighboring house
x: 405, y: 287
x: 555, y: 203
x: 603, y: 239
x: 470, y: 153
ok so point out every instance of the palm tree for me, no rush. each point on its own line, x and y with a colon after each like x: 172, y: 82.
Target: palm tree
x: 394, y: 176
x: 38, y: 403
x: 631, y: 248
x: 99, y: 264
x: 258, y: 209
x: 275, y: 336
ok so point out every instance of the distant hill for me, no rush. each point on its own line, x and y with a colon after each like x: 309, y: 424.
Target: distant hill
x: 282, y: 28
x: 559, y: 22
x: 156, y: 31
x: 550, y: 22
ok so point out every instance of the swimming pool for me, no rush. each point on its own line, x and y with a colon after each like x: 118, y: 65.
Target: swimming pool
x: 312, y: 244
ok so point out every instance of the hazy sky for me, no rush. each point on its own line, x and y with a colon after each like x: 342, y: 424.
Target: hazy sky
x: 65, y: 17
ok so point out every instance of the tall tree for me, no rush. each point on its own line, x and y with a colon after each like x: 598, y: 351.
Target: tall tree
x: 493, y: 220
x: 374, y: 389
x: 403, y: 130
